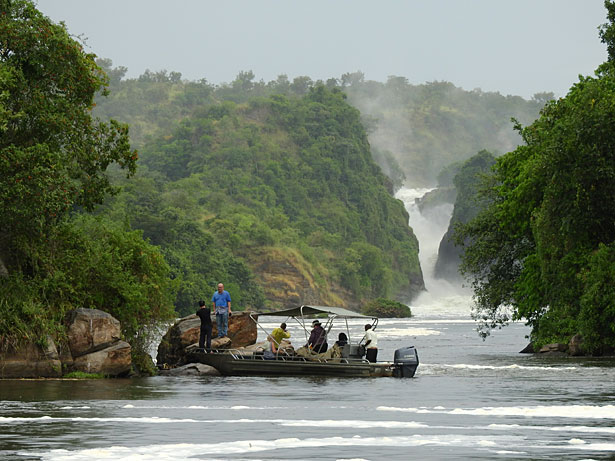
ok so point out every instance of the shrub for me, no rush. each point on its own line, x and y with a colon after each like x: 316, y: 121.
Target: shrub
x: 382, y: 307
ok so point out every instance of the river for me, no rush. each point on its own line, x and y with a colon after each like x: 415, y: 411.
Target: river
x: 470, y: 399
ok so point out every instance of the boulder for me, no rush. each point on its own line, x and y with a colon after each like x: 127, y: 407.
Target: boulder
x: 555, y: 348
x: 575, y: 346
x: 216, y: 343
x: 185, y: 332
x: 114, y: 360
x: 529, y: 349
x: 191, y: 369
x: 241, y: 329
x: 31, y: 361
x: 90, y: 330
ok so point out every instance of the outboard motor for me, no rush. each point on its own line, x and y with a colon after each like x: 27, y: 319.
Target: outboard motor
x: 406, y: 361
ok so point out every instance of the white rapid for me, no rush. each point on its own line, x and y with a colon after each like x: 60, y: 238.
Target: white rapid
x: 442, y: 298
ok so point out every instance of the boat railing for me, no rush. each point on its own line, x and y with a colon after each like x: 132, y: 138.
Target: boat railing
x: 241, y: 355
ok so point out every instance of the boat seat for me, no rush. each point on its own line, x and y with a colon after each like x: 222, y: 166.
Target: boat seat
x: 353, y: 351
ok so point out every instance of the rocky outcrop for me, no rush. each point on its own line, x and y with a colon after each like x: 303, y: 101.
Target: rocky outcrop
x: 93, y: 346
x: 31, y: 361
x: 554, y: 349
x: 114, y: 360
x: 185, y: 334
x: 575, y: 346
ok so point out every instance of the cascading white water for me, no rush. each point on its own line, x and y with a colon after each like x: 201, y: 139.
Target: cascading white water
x: 442, y: 298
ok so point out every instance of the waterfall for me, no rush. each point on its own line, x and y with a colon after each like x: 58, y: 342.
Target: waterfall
x: 442, y: 297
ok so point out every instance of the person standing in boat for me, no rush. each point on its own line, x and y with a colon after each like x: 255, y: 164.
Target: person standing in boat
x: 204, y: 313
x: 371, y: 343
x: 278, y: 334
x: 318, y: 338
x: 221, y: 300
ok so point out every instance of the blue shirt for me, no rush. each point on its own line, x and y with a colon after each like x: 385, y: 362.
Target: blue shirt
x: 221, y: 301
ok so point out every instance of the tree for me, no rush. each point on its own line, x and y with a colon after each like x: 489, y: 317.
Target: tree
x: 543, y: 247
x: 53, y: 154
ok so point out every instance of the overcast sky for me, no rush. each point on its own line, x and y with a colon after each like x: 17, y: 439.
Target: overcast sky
x: 517, y: 47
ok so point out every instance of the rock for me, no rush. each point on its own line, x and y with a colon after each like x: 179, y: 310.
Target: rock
x: 31, y: 361
x: 185, y: 333
x: 90, y: 330
x: 216, y: 343
x: 191, y: 369
x: 575, y: 346
x: 529, y: 349
x: 114, y: 360
x: 241, y: 329
x: 555, y: 348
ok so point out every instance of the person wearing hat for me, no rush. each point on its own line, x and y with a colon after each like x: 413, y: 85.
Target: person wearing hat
x: 280, y: 333
x: 318, y: 338
x: 371, y: 344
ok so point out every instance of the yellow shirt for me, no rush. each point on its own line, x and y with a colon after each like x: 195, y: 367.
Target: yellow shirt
x: 278, y: 335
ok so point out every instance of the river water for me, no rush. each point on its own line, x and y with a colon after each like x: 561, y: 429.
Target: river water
x: 470, y: 399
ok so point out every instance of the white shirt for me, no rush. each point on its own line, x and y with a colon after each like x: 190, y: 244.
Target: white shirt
x: 371, y: 335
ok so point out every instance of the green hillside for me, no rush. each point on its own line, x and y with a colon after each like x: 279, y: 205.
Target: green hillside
x: 283, y: 187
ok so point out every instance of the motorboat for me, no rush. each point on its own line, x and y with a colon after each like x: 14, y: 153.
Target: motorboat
x: 348, y: 361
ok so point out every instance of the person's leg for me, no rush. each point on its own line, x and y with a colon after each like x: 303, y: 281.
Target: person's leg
x: 225, y: 325
x: 371, y: 354
x: 208, y: 334
x: 202, y: 338
x: 220, y: 324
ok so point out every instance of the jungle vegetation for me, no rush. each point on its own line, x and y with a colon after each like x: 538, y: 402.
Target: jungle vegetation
x: 543, y: 249
x: 54, y: 155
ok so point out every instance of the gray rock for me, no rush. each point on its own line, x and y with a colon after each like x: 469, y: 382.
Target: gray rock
x: 114, y: 360
x: 31, y: 361
x: 91, y: 330
x: 191, y: 369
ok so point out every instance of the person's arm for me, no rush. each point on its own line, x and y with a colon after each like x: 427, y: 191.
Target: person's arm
x: 228, y: 303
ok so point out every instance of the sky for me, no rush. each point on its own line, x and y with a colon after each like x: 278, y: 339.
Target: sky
x: 516, y: 47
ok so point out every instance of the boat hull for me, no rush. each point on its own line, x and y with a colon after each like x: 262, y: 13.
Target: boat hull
x: 229, y: 364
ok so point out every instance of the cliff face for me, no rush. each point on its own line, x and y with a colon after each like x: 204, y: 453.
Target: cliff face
x: 467, y: 205
x: 288, y: 281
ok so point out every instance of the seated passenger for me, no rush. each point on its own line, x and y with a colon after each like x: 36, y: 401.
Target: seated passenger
x: 271, y: 349
x: 342, y: 340
x: 278, y: 334
x: 318, y: 338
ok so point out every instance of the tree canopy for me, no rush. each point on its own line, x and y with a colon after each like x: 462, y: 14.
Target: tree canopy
x: 54, y: 161
x: 543, y: 250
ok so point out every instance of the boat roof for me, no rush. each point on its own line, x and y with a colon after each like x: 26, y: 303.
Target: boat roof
x: 305, y: 310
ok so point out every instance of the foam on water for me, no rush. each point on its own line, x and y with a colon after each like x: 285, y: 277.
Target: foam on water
x: 540, y: 411
x: 185, y: 450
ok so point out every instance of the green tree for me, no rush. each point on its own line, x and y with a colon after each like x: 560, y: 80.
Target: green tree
x: 542, y: 247
x: 53, y: 154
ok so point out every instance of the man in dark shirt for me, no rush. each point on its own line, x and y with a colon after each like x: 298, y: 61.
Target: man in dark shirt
x: 205, y: 314
x: 318, y: 338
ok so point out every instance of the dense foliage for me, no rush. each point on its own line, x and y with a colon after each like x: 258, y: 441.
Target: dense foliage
x: 545, y: 245
x: 279, y: 177
x: 386, y: 308
x: 53, y: 161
